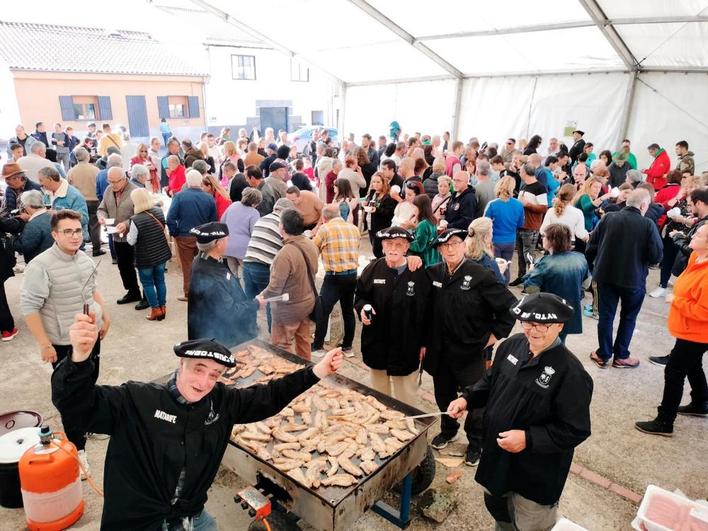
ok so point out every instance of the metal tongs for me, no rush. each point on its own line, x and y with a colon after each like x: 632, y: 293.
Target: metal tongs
x: 285, y: 297
x: 425, y: 415
x: 93, y: 273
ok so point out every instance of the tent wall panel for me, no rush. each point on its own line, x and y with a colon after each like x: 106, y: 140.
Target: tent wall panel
x: 668, y: 108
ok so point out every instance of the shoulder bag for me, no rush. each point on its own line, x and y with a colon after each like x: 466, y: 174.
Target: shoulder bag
x: 317, y: 311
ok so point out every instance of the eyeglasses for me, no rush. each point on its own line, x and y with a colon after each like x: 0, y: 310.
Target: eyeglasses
x: 451, y: 244
x: 540, y: 327
x: 72, y: 233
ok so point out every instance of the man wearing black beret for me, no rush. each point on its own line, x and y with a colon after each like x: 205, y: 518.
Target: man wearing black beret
x: 391, y: 301
x: 217, y: 306
x: 468, y: 312
x: 537, y: 399
x: 167, y: 441
x: 578, y: 145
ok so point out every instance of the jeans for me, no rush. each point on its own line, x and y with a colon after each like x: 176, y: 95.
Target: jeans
x: 685, y: 361
x: 166, y: 137
x: 256, y: 277
x: 505, y: 251
x: 667, y: 261
x: 631, y: 300
x: 526, y: 241
x: 63, y: 159
x: 337, y: 288
x: 446, y: 384
x: 94, y: 227
x: 125, y: 256
x: 200, y: 522
x: 77, y: 437
x: 154, y: 287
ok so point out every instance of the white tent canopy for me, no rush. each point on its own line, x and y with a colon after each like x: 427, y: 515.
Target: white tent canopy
x: 495, y: 69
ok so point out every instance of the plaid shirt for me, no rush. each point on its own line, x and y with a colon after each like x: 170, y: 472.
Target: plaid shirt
x: 338, y: 242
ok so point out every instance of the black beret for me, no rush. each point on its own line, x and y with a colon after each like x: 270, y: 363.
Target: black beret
x: 579, y: 132
x: 449, y: 233
x: 210, y: 231
x: 277, y: 165
x: 394, y: 232
x: 206, y: 349
x: 542, y: 308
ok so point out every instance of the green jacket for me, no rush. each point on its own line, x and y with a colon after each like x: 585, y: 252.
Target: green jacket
x: 631, y: 159
x: 424, y: 243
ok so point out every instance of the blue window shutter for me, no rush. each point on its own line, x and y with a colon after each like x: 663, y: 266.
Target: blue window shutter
x: 163, y: 107
x: 193, y: 106
x: 104, y: 108
x: 66, y: 103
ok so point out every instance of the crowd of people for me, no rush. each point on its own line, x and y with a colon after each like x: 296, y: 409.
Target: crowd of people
x: 251, y: 221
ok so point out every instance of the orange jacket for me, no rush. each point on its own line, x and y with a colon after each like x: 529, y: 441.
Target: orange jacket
x: 688, y: 315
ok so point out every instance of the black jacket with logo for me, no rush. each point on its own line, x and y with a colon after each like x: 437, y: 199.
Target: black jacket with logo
x: 464, y: 310
x: 549, y: 398
x: 153, y: 438
x: 393, y: 339
x: 461, y: 209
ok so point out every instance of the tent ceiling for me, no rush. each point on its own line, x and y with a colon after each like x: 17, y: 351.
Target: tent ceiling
x: 361, y: 41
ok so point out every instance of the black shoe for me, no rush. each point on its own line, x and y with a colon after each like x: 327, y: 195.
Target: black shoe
x: 100, y: 252
x: 655, y: 427
x: 693, y: 410
x: 142, y: 305
x: 659, y: 360
x: 441, y: 440
x: 516, y: 281
x: 472, y: 456
x: 129, y: 297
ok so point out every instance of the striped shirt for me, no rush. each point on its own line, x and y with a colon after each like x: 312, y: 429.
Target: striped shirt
x: 338, y: 242
x: 266, y: 240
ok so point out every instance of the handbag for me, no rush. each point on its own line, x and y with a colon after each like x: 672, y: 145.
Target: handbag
x: 317, y: 311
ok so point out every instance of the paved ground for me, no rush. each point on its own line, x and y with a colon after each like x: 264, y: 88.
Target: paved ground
x: 617, y: 461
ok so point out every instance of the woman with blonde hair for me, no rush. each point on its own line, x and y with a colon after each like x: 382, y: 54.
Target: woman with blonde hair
x: 221, y: 197
x: 507, y: 215
x: 147, y: 235
x: 588, y: 199
x: 142, y: 156
x: 352, y: 173
x: 566, y: 214
x: 204, y: 149
x: 442, y: 197
x: 232, y: 155
x: 478, y: 246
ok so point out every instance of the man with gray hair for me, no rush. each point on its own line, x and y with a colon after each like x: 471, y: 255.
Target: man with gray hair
x: 190, y: 208
x: 59, y: 194
x: 34, y: 161
x: 621, y: 248
x: 201, y: 166
x: 484, y: 189
x: 266, y: 241
x: 534, y: 197
x: 36, y: 236
x: 83, y: 176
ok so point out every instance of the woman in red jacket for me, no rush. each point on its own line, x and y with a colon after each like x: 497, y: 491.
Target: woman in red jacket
x: 213, y: 187
x: 688, y: 323
x: 656, y: 174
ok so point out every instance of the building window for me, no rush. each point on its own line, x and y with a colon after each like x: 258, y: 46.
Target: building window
x: 179, y: 106
x: 243, y: 67
x: 85, y: 108
x: 298, y: 71
x: 317, y: 117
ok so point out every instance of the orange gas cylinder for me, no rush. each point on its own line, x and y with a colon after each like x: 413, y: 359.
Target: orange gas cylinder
x: 51, y: 483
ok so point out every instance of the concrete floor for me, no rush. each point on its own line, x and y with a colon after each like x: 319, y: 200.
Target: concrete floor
x: 140, y: 350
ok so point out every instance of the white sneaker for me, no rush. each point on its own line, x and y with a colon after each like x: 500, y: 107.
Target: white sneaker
x: 658, y: 292
x: 98, y: 436
x: 85, y: 468
x: 319, y: 354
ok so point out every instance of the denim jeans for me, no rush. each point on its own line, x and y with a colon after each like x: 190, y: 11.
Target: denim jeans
x: 505, y: 251
x: 337, y: 288
x: 526, y: 241
x: 153, y: 281
x: 631, y: 300
x: 685, y: 361
x: 256, y: 277
x: 200, y: 522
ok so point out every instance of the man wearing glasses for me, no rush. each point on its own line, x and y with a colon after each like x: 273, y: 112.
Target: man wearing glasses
x: 507, y: 152
x: 469, y: 311
x: 57, y: 284
x: 537, y: 399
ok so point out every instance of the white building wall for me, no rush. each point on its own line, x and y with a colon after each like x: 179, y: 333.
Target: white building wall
x: 231, y: 102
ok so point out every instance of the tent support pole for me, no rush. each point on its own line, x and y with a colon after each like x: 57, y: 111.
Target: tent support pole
x: 458, y: 108
x: 628, y: 102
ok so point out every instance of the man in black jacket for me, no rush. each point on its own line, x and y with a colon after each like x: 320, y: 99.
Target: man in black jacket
x: 167, y: 440
x: 578, y: 146
x: 537, y: 399
x: 621, y: 248
x: 394, y: 327
x: 468, y: 312
x: 462, y: 207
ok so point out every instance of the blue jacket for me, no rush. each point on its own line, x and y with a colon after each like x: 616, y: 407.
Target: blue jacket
x: 101, y: 183
x: 507, y: 217
x: 562, y: 274
x: 622, y: 247
x: 461, y: 209
x: 190, y: 208
x: 11, y: 196
x: 75, y: 201
x: 36, y: 237
x: 487, y: 262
